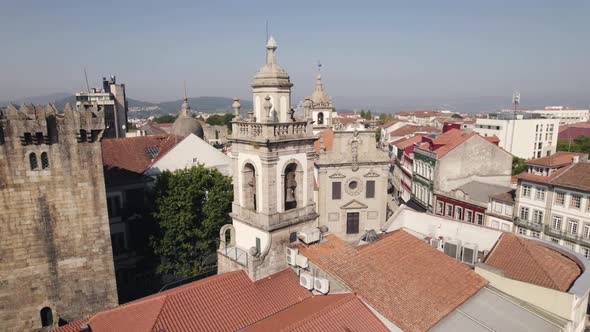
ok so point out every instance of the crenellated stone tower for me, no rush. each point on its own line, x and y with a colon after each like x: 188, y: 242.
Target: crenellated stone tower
x: 56, y: 259
x: 319, y: 106
x: 273, y: 157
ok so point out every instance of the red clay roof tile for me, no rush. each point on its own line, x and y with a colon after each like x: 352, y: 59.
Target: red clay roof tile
x: 529, y: 261
x: 131, y: 153
x: 403, y: 278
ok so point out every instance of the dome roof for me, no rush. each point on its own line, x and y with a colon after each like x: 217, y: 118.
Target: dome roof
x: 185, y: 124
x: 271, y: 74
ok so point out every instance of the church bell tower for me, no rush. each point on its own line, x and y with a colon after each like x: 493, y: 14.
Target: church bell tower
x: 273, y: 157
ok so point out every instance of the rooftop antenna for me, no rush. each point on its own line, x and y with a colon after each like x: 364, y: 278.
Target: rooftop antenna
x: 516, y: 99
x: 266, y: 41
x: 319, y: 66
x: 86, y: 76
x: 185, y: 89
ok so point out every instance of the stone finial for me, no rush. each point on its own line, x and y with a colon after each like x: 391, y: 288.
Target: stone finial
x: 266, y: 106
x: 236, y: 106
x: 271, y: 46
x: 307, y: 108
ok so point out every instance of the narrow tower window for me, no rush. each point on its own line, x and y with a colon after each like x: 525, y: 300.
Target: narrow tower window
x: 249, y: 187
x: 290, y: 187
x: 33, y: 161
x: 39, y: 139
x: 44, y: 160
x: 320, y: 118
x: 83, y: 136
x: 46, y: 317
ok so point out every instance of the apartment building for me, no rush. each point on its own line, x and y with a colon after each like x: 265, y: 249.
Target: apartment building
x: 565, y: 115
x: 553, y: 203
x: 524, y: 135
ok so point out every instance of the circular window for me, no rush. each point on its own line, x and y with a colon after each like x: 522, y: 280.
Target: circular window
x: 354, y: 186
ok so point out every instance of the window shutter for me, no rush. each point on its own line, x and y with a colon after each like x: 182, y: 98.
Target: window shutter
x: 370, y: 189
x: 336, y: 190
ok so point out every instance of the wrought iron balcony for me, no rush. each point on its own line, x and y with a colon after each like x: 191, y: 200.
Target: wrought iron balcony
x: 567, y: 236
x: 528, y: 224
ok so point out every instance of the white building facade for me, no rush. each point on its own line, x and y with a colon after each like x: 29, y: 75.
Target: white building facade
x: 564, y: 114
x: 523, y: 135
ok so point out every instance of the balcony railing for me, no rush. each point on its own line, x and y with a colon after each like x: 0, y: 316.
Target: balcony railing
x: 566, y: 236
x: 236, y: 254
x: 528, y: 224
x: 273, y: 130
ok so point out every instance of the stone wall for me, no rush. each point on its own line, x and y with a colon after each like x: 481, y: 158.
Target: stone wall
x: 55, y: 247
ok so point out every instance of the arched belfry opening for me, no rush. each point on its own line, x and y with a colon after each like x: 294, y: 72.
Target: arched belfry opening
x: 249, y: 186
x: 293, y: 185
x: 321, y: 118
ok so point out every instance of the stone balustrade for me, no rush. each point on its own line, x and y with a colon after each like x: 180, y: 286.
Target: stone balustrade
x: 270, y: 130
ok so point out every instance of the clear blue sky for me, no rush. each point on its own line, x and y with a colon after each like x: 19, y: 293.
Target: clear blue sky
x: 369, y: 49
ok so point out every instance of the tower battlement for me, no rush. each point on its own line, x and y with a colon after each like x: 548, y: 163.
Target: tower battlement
x: 30, y: 124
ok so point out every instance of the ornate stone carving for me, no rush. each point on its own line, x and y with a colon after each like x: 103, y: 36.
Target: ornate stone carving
x: 354, y: 186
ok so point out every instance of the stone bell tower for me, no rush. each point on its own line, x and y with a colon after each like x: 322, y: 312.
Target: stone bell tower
x: 273, y: 158
x: 319, y: 106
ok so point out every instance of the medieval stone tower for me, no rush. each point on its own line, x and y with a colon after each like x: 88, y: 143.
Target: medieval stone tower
x: 273, y: 157
x: 56, y: 259
x: 320, y: 106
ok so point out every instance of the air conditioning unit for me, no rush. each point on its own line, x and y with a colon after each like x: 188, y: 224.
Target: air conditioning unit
x: 292, y: 256
x: 322, y: 285
x: 453, y: 248
x: 436, y: 243
x: 309, y: 235
x: 306, y: 280
x: 469, y: 254
x: 302, y: 261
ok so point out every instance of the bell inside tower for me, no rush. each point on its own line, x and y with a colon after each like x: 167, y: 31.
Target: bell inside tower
x: 290, y: 187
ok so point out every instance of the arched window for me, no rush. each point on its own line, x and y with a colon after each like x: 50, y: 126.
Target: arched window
x: 44, y: 160
x: 249, y: 186
x: 320, y: 118
x: 33, y: 161
x: 46, y: 317
x: 291, y: 182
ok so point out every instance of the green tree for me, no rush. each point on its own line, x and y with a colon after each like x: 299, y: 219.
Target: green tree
x: 221, y: 120
x: 165, y: 119
x: 518, y: 165
x: 189, y: 207
x: 362, y: 114
x: 578, y: 144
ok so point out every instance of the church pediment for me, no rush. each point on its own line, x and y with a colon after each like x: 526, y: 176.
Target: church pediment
x: 337, y: 175
x: 354, y: 204
x: 371, y: 174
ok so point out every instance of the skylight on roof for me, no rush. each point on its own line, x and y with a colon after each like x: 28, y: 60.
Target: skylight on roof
x: 153, y: 151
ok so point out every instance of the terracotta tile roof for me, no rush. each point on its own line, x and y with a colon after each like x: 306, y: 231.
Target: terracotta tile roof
x: 557, y: 159
x: 531, y: 262
x: 504, y: 197
x: 450, y: 140
x: 225, y: 302
x: 403, y: 278
x: 131, y: 153
x: 412, y: 129
x: 406, y: 142
x: 328, y: 137
x: 492, y: 139
x: 338, y: 312
x: 390, y: 123
x: 153, y: 129
x: 575, y: 176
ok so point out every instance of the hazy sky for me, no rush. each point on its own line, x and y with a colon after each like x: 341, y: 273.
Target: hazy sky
x: 369, y: 49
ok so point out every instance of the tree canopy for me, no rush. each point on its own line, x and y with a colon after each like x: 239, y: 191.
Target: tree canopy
x: 189, y: 208
x: 518, y: 165
x: 578, y: 144
x: 165, y: 119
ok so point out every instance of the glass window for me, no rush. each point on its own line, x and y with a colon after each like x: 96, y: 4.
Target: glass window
x: 575, y: 201
x: 556, y: 222
x: 336, y: 190
x: 535, y: 234
x: 458, y: 213
x: 33, y: 161
x: 469, y: 216
x: 526, y: 190
x: 497, y: 207
x: 524, y: 213
x: 572, y: 226
x: 538, y: 216
x: 586, y: 252
x: 479, y: 218
x: 586, y: 231
x: 540, y: 193
x: 559, y: 198
x: 439, y: 207
x: 370, y: 191
x: 522, y: 231
x: 449, y: 208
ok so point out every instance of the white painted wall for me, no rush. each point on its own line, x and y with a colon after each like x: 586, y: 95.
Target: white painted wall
x: 434, y: 226
x: 246, y: 236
